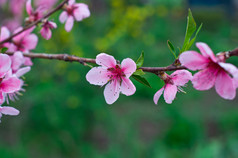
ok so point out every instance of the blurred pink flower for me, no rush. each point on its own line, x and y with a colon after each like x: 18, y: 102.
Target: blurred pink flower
x: 172, y: 85
x: 116, y: 76
x: 46, y: 29
x: 4, y: 34
x: 2, y: 2
x: 213, y: 71
x: 8, y: 84
x: 46, y: 4
x: 6, y: 110
x: 34, y: 15
x: 74, y: 11
x: 17, y: 6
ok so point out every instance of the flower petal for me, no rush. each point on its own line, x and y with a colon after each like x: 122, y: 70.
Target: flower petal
x: 23, y: 71
x: 81, y: 12
x: 6, y: 110
x: 193, y: 60
x: 10, y: 85
x: 181, y: 77
x: 224, y: 86
x: 71, y: 2
x: 69, y: 23
x: 205, y: 79
x: 157, y: 95
x: 127, y: 87
x: 63, y: 17
x: 206, y: 51
x: 5, y: 33
x: 231, y: 69
x: 46, y: 33
x: 5, y: 64
x: 28, y: 7
x: 128, y: 66
x: 170, y: 92
x: 17, y: 60
x: 2, y: 98
x: 112, y: 91
x: 98, y: 76
x: 106, y: 60
x: 30, y: 42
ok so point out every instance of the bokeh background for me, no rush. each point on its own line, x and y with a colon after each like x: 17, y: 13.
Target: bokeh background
x: 63, y: 116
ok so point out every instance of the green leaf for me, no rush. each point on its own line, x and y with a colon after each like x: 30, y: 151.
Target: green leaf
x: 140, y: 61
x: 191, y: 28
x: 171, y: 48
x: 139, y: 72
x: 142, y: 80
x: 194, y: 38
x: 4, y: 49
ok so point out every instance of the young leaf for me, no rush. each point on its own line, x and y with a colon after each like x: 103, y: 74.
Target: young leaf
x: 139, y: 72
x: 4, y: 49
x: 191, y: 28
x: 142, y: 80
x: 171, y: 48
x: 194, y: 38
x: 140, y: 60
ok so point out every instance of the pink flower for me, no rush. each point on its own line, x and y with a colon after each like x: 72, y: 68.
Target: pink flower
x: 173, y: 84
x: 47, y: 4
x: 6, y: 110
x: 213, y: 71
x: 8, y: 84
x: 34, y: 15
x: 4, y: 34
x: 46, y: 29
x: 116, y: 76
x: 24, y: 41
x: 74, y: 11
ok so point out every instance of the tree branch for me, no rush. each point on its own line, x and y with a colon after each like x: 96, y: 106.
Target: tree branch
x: 35, y: 23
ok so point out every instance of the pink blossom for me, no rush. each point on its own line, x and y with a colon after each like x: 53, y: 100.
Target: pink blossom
x: 8, y: 84
x: 4, y: 34
x: 25, y: 41
x: 46, y: 29
x: 17, y: 6
x: 74, y: 11
x: 47, y: 4
x: 34, y: 15
x: 213, y: 71
x: 172, y: 85
x: 116, y: 76
x: 6, y: 110
x: 2, y: 2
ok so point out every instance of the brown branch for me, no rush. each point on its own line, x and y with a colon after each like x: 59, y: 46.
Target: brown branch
x: 233, y: 53
x: 35, y: 23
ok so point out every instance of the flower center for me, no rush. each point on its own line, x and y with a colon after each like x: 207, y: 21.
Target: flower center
x: 116, y: 72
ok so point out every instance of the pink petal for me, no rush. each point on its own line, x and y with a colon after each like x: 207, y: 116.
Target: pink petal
x: 181, y: 77
x: 224, y: 86
x: 10, y: 85
x: 98, y: 76
x: 5, y: 64
x: 193, y: 60
x: 28, y: 61
x: 170, y: 92
x: 28, y: 7
x: 63, y: 16
x: 30, y: 42
x: 111, y: 91
x: 21, y: 36
x: 52, y: 25
x: 2, y: 98
x: 5, y: 33
x: 128, y: 66
x: 106, y: 60
x: 6, y: 110
x: 127, y: 87
x: 81, y: 12
x: 46, y: 33
x: 205, y: 79
x: 157, y: 95
x: 231, y: 69
x: 206, y: 51
x: 23, y: 71
x: 17, y: 60
x: 71, y: 2
x: 69, y: 24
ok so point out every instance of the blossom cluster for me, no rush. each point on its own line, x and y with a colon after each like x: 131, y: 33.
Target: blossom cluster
x: 13, y: 67
x: 213, y: 71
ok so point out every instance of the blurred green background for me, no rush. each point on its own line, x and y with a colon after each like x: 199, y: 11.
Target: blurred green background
x: 63, y: 116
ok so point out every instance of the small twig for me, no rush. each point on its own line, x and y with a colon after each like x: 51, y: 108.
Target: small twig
x: 35, y: 23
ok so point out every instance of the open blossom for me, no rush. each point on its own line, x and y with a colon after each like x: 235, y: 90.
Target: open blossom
x: 213, y: 71
x: 172, y: 85
x: 73, y: 11
x: 6, y: 110
x: 34, y: 15
x: 116, y: 76
x: 46, y: 29
x: 8, y: 83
